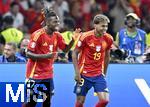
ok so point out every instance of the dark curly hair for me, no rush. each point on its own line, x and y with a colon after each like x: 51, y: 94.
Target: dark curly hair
x: 48, y: 12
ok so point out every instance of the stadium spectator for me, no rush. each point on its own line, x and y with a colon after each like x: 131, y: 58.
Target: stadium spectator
x: 146, y: 23
x: 61, y: 8
x: 132, y: 38
x: 4, y: 6
x: 135, y: 4
x: 76, y: 13
x: 42, y: 50
x: 9, y: 33
x: 9, y: 54
x: 95, y: 9
x: 22, y: 47
x: 16, y: 14
x: 1, y: 22
x: 33, y: 17
x: 118, y: 12
x: 90, y: 59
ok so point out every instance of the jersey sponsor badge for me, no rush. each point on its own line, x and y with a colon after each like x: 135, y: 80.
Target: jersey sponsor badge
x: 98, y: 48
x: 33, y: 44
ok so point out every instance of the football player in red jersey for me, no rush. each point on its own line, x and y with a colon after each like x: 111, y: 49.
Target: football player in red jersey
x: 91, y: 59
x: 41, y: 52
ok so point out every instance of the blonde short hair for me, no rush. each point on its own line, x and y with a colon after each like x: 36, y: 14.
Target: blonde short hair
x: 100, y: 18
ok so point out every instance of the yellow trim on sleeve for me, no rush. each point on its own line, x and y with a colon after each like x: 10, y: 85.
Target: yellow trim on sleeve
x: 37, y: 35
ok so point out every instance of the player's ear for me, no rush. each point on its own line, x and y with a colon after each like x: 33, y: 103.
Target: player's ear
x: 46, y: 22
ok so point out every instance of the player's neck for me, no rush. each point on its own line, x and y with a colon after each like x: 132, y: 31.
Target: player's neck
x: 98, y: 34
x: 48, y: 31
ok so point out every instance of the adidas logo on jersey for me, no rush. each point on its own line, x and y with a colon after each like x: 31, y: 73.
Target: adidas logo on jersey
x: 92, y: 45
x: 45, y: 44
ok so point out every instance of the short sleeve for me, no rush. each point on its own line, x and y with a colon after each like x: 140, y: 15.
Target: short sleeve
x: 81, y: 42
x: 34, y: 41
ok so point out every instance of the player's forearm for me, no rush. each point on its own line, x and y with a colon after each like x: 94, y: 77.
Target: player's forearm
x: 68, y: 47
x: 38, y: 56
x: 75, y: 63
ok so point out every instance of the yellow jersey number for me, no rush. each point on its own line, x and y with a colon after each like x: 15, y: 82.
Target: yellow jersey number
x: 81, y: 82
x: 97, y: 56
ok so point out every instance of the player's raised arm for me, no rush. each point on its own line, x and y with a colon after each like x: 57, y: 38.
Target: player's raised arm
x: 75, y: 37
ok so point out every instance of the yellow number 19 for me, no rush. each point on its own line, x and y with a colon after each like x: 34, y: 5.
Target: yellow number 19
x: 97, y: 56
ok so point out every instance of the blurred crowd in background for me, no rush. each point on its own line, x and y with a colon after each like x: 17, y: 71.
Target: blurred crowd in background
x: 20, y: 18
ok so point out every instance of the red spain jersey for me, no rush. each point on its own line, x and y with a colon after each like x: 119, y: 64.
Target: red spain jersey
x: 92, y: 53
x: 42, y: 43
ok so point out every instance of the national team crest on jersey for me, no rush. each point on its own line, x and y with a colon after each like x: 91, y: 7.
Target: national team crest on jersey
x: 98, y: 48
x: 33, y: 44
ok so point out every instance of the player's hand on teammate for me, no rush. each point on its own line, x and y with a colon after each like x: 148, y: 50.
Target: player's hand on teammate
x: 50, y: 55
x: 76, y: 34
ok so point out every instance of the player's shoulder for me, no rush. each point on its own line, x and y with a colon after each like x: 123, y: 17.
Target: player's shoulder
x: 86, y: 34
x: 35, y: 35
x: 56, y: 33
x: 108, y: 36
